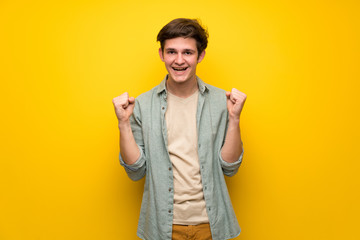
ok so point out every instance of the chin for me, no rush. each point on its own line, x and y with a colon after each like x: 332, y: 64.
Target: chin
x: 180, y: 80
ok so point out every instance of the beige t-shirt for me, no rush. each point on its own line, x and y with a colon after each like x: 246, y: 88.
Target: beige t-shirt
x: 189, y: 203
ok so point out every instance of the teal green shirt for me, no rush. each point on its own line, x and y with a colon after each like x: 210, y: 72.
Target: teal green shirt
x: 149, y: 129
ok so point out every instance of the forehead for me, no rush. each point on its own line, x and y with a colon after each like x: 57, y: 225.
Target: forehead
x: 180, y: 43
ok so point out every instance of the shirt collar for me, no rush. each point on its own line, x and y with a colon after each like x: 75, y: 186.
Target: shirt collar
x: 202, y: 86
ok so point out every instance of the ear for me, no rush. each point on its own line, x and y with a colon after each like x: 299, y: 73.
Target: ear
x: 201, y: 56
x: 161, y: 54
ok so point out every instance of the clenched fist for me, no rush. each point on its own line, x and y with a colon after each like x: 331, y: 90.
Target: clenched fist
x: 124, y: 106
x: 235, y: 102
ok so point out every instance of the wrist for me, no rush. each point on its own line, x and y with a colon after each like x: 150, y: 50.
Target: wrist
x: 234, y: 119
x: 124, y: 125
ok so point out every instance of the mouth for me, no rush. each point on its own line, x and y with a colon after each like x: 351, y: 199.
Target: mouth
x: 179, y: 69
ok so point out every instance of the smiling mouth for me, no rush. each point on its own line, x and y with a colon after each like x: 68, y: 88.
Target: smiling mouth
x: 180, y: 69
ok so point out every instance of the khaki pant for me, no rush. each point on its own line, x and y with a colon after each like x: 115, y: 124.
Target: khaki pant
x: 191, y: 232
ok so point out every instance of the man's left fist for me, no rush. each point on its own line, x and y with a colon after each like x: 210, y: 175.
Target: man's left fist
x: 235, y: 102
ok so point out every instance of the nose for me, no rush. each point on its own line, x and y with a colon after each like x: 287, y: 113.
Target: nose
x: 179, y: 59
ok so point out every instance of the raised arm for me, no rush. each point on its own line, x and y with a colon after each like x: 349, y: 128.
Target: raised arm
x: 124, y: 106
x: 233, y: 147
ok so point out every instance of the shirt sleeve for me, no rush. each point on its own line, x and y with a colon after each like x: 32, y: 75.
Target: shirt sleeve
x: 137, y: 170
x: 230, y: 169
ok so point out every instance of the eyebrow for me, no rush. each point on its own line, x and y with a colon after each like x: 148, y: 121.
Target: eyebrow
x: 185, y: 50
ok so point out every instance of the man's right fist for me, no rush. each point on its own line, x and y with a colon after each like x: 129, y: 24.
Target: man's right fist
x: 124, y: 106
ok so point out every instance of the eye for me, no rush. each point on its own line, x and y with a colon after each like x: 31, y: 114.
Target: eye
x: 171, y: 52
x: 188, y: 53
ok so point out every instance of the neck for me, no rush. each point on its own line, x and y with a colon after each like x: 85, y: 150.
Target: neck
x: 184, y: 89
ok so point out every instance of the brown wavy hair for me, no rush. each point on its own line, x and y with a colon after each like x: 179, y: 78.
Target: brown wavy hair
x: 186, y: 28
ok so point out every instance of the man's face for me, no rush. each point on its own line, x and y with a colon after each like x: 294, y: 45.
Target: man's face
x: 180, y: 56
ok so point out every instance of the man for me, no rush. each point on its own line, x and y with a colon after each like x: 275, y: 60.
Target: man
x: 183, y: 136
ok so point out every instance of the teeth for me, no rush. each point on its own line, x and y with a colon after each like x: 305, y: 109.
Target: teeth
x: 180, y: 69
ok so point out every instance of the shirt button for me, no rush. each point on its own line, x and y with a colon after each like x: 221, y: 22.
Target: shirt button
x: 199, y: 145
x: 169, y: 168
x: 209, y: 209
x: 169, y: 211
x: 169, y: 189
x: 205, y: 188
x: 163, y: 108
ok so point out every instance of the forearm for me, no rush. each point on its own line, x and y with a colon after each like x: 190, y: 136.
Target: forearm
x: 233, y: 147
x: 128, y: 148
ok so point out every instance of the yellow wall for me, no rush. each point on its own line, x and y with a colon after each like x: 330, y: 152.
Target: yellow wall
x: 62, y: 62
